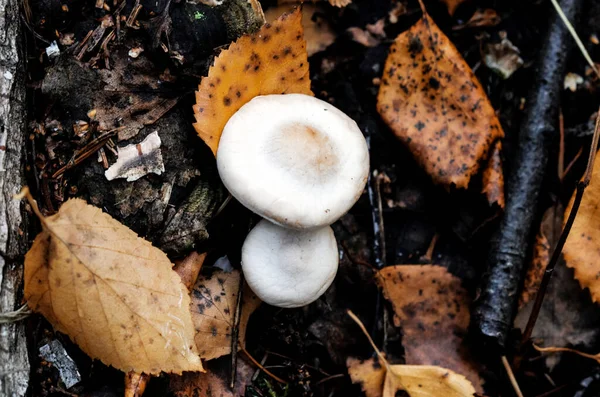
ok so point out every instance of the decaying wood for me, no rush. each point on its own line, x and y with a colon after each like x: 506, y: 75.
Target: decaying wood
x: 14, y: 364
x: 497, y: 301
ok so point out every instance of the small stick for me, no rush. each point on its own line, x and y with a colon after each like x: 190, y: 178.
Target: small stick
x: 266, y: 371
x: 511, y: 376
x: 87, y: 151
x: 496, y: 304
x: 581, y: 185
x: 236, y: 330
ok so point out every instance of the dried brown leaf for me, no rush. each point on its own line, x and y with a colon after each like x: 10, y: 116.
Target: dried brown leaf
x: 452, y: 5
x: 433, y: 102
x: 214, y: 382
x: 272, y: 61
x: 432, y: 308
x: 582, y: 249
x: 189, y: 268
x: 416, y: 380
x: 493, y: 177
x: 535, y: 272
x: 370, y: 374
x: 317, y: 31
x: 214, y: 301
x: 135, y: 384
x: 111, y: 292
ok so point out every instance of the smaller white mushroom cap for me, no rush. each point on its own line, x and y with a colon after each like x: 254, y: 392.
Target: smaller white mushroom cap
x: 289, y: 268
x: 293, y: 159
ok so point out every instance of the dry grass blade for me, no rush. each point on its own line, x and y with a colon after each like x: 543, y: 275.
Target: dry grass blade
x: 551, y: 349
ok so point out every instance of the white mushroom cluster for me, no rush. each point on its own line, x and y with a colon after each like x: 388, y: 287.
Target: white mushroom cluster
x: 301, y: 164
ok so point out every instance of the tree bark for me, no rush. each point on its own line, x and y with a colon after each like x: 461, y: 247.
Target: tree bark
x: 14, y: 363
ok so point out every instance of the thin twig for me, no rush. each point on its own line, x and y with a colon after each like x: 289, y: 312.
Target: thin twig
x: 259, y: 365
x: 336, y: 376
x: 511, y: 376
x: 87, y: 151
x: 236, y: 330
x: 571, y: 29
x: 581, y: 185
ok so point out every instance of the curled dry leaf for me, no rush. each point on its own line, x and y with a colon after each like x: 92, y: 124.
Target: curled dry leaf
x: 111, y: 292
x: 582, y: 249
x: 214, y: 301
x: 433, y: 102
x: 452, y: 5
x: 317, y: 31
x: 189, y: 268
x: 416, y: 380
x: 135, y: 384
x: 493, y: 177
x: 215, y: 381
x: 272, y: 61
x: 535, y: 272
x: 503, y: 58
x: 432, y: 308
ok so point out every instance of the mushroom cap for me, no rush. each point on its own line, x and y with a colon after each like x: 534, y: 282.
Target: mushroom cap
x: 293, y: 159
x: 289, y: 268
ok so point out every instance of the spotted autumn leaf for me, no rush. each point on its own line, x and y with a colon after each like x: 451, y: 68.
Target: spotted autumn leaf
x: 582, y: 249
x: 111, y: 292
x: 271, y: 61
x: 214, y: 301
x: 433, y: 102
x: 411, y: 380
x: 432, y: 308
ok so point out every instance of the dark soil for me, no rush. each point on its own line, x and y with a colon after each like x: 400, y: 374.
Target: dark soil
x: 309, y: 344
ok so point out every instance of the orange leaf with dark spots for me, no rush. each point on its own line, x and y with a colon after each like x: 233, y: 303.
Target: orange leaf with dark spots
x: 270, y: 61
x: 493, y: 178
x: 433, y: 102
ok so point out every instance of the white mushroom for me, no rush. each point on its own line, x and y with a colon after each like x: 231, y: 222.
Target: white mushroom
x: 289, y: 268
x: 293, y: 159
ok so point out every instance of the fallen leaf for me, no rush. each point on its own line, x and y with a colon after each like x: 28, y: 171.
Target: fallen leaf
x: 370, y: 374
x: 503, y: 58
x: 568, y: 316
x: 452, y: 5
x: 137, y: 160
x: 416, y: 380
x: 135, y: 384
x: 272, y: 61
x: 189, y: 268
x: 432, y: 308
x: 433, y: 102
x: 481, y: 18
x: 582, y: 248
x: 317, y: 31
x: 214, y: 301
x: 363, y: 37
x: 111, y: 292
x: 134, y: 95
x: 399, y: 380
x: 535, y: 272
x: 215, y: 381
x: 493, y: 177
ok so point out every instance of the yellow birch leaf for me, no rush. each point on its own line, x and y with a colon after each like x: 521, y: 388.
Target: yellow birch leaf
x: 270, y: 61
x: 436, y: 106
x: 111, y: 292
x: 214, y: 301
x: 582, y: 249
x: 416, y: 380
